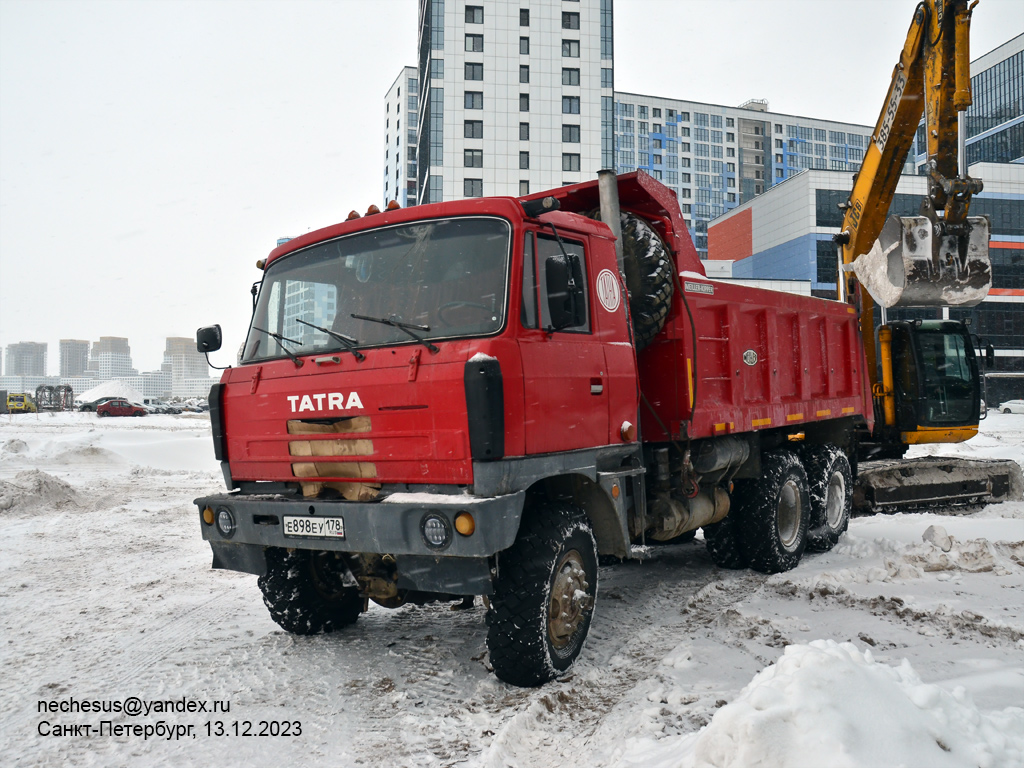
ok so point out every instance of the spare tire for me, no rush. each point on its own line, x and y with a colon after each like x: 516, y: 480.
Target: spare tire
x: 648, y: 267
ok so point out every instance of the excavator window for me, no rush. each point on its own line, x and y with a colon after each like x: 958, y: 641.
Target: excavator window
x: 948, y: 378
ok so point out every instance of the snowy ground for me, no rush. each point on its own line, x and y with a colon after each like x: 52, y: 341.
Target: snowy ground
x: 885, y: 651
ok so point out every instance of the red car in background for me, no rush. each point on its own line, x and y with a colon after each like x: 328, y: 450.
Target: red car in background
x: 119, y: 407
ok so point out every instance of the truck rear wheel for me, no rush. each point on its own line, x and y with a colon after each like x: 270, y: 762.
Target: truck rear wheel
x: 304, y: 591
x: 830, y: 483
x: 774, y: 512
x: 544, y: 596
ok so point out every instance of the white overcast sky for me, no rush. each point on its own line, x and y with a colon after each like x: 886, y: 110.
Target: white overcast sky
x: 151, y: 152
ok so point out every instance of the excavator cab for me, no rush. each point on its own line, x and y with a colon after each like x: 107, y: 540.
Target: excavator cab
x: 936, y: 382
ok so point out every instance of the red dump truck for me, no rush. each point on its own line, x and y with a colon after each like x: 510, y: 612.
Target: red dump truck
x: 482, y: 397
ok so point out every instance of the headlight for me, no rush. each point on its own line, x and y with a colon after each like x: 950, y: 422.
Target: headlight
x: 437, y: 533
x: 225, y: 522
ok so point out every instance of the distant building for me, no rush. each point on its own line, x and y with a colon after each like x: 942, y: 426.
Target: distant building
x: 74, y: 357
x: 111, y: 357
x: 26, y: 358
x: 186, y: 367
x: 511, y: 99
x: 400, y: 111
x: 715, y: 157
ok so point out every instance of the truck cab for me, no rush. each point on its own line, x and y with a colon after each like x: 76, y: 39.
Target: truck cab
x: 419, y: 391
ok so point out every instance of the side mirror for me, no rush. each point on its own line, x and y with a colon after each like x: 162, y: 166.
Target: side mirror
x: 566, y: 305
x: 208, y: 339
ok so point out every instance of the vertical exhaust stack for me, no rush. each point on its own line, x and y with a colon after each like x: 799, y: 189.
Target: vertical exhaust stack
x: 608, y: 194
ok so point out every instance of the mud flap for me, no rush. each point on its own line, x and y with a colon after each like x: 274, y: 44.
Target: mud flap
x: 246, y: 558
x: 910, y: 265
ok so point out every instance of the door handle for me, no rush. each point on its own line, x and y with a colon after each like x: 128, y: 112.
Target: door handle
x: 596, y: 386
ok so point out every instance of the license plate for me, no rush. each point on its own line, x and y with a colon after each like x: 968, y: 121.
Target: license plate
x: 317, y: 527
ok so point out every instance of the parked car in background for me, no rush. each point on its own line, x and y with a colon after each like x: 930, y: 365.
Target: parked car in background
x: 1012, y: 406
x: 119, y: 407
x: 20, y: 403
x: 92, y: 405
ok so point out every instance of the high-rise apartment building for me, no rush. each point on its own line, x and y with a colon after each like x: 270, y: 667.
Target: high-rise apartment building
x: 186, y: 368
x: 400, y: 117
x: 512, y: 98
x: 74, y: 357
x: 183, y: 360
x: 110, y: 357
x: 26, y: 358
x: 717, y: 157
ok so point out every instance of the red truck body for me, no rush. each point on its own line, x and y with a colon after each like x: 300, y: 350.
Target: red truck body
x: 763, y: 359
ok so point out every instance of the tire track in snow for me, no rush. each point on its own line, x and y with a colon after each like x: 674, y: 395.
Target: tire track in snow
x: 562, y: 716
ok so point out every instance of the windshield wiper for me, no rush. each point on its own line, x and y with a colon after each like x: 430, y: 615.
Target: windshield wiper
x: 348, y: 341
x: 404, y: 327
x: 281, y: 339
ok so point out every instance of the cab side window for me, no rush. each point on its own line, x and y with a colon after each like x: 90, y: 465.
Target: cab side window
x: 549, y: 256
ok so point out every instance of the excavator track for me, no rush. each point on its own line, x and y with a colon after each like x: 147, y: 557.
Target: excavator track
x: 906, y: 484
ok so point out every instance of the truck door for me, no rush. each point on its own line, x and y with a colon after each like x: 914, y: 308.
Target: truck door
x: 565, y: 379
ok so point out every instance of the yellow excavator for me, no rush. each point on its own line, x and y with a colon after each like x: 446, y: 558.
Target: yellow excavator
x: 926, y: 378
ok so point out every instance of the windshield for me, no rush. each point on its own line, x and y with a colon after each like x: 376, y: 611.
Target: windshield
x: 408, y: 283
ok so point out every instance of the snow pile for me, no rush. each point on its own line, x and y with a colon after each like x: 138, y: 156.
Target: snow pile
x: 12, y: 446
x: 32, y: 489
x: 830, y: 704
x: 110, y: 389
x: 65, y: 452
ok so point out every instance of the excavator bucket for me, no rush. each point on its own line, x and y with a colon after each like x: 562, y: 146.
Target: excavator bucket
x: 910, y: 265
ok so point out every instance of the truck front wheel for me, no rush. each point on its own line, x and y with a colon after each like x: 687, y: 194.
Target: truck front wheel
x: 774, y: 512
x: 305, y: 593
x: 830, y: 481
x: 544, y: 596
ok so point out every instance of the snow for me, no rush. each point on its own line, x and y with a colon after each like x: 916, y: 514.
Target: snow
x: 904, y: 645
x: 480, y: 357
x: 111, y: 389
x: 433, y: 499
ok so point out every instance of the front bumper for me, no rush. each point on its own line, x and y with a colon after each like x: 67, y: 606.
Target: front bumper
x: 382, y: 527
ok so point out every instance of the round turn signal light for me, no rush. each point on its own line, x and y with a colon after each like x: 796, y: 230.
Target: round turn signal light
x: 465, y: 524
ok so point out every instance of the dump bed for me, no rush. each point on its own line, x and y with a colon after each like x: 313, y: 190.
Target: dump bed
x: 753, y: 359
